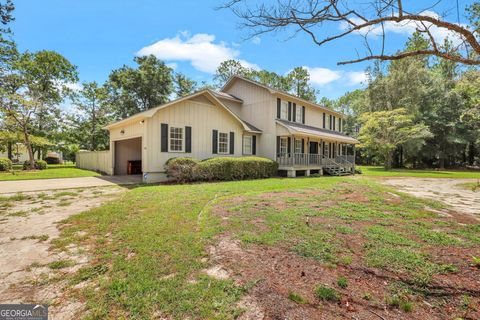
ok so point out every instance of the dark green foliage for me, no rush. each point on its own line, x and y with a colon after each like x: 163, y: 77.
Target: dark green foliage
x: 5, y: 164
x: 39, y: 165
x: 221, y: 168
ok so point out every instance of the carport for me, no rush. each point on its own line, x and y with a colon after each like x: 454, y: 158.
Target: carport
x: 128, y: 156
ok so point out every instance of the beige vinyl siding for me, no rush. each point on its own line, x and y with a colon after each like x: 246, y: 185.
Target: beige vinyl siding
x: 133, y: 129
x: 259, y: 108
x: 203, y: 118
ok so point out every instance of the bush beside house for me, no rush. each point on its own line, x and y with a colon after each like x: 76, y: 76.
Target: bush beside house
x: 39, y: 165
x: 5, y: 164
x: 222, y: 168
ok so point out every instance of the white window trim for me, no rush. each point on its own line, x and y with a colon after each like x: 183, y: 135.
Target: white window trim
x: 283, y: 104
x: 251, y: 144
x: 228, y: 143
x: 170, y: 139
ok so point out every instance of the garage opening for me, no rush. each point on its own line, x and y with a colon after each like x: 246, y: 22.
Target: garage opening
x: 128, y: 156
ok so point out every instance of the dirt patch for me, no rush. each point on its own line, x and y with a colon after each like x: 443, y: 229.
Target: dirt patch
x: 30, y: 271
x: 447, y: 191
x: 278, y: 273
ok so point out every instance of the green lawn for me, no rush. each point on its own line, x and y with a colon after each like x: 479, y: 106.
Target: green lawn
x: 306, y: 244
x: 375, y: 171
x: 53, y: 171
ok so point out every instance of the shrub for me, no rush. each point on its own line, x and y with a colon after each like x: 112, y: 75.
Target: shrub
x: 39, y: 165
x: 5, y: 164
x: 181, y: 169
x: 358, y: 171
x: 52, y: 160
x: 221, y: 168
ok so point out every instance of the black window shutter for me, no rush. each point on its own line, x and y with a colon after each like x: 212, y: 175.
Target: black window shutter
x: 254, y: 144
x: 289, y: 111
x: 289, y: 147
x: 303, y: 145
x: 330, y: 125
x: 188, y: 139
x: 232, y: 142
x: 294, y: 112
x: 334, y: 120
x: 215, y: 141
x: 303, y: 114
x: 324, y: 120
x: 279, y: 106
x: 164, y: 137
x: 278, y: 144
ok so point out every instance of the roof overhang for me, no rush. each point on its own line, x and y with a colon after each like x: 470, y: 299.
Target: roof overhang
x: 207, y: 93
x: 308, y: 131
x: 281, y: 94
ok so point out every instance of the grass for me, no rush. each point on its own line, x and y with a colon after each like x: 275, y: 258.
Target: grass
x: 474, y: 186
x: 52, y: 172
x: 148, y: 248
x: 375, y: 171
x: 325, y: 293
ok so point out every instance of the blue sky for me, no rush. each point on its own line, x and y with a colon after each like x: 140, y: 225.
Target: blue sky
x: 191, y: 36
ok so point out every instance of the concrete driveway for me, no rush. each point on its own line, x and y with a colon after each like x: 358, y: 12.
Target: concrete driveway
x: 66, y: 183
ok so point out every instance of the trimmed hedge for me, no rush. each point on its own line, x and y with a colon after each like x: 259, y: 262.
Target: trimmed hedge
x: 39, y: 165
x: 5, y: 164
x: 221, y: 168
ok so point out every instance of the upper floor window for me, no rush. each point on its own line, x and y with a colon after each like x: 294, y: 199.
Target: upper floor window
x: 299, y: 115
x: 247, y: 144
x: 222, y: 142
x: 176, y: 139
x: 284, y: 110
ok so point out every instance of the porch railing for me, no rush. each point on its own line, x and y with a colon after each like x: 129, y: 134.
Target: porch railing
x: 309, y: 159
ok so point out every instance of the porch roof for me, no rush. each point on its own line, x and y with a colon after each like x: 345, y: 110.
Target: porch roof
x: 302, y: 129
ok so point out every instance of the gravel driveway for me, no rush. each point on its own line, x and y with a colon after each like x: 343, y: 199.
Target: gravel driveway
x: 447, y: 191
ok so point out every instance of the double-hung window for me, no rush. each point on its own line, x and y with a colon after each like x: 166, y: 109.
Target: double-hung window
x: 222, y: 142
x: 176, y: 139
x: 283, y: 145
x: 247, y: 144
x: 299, y: 115
x: 284, y: 110
x: 298, y: 145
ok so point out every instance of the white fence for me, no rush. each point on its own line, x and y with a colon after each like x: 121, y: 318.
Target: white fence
x: 95, y: 160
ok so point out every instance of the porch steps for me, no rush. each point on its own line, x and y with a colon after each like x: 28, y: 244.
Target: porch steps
x: 337, y: 171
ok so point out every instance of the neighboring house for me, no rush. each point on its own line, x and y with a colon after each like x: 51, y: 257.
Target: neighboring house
x: 244, y: 118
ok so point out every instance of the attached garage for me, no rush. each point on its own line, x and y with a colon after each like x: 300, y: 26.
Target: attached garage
x: 128, y: 156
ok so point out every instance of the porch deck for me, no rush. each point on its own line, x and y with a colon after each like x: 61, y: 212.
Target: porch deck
x: 339, y: 165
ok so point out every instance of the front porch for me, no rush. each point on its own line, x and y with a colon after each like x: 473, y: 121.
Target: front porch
x: 308, y: 163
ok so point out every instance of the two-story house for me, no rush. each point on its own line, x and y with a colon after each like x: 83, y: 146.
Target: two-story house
x: 243, y: 118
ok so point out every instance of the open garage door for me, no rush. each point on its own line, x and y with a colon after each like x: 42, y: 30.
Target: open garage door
x: 128, y: 156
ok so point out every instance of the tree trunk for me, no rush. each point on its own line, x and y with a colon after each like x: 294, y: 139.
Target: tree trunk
x: 29, y: 149
x: 10, y: 150
x: 388, y: 160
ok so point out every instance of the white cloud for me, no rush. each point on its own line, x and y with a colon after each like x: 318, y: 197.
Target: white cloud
x: 323, y: 76
x: 200, y: 50
x: 409, y: 27
x: 356, y: 77
x: 256, y: 40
